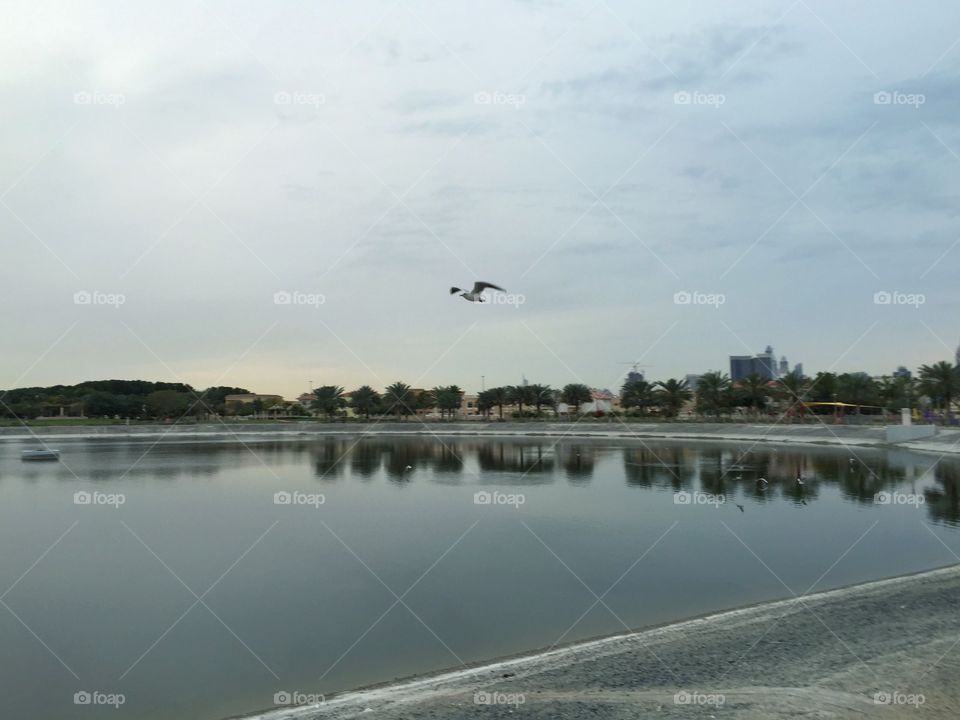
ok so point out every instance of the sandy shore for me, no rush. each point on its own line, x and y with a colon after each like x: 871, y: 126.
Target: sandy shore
x: 886, y: 649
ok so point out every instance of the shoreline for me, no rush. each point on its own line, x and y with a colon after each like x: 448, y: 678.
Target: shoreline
x: 946, y: 442
x: 576, y: 673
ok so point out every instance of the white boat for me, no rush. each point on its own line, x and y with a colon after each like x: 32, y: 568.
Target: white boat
x: 45, y: 454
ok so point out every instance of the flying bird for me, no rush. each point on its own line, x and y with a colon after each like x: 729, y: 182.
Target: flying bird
x: 475, y: 295
x: 741, y: 507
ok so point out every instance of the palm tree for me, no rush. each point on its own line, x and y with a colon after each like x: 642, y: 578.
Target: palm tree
x: 400, y: 399
x: 713, y: 392
x: 520, y: 395
x: 672, y: 394
x: 754, y: 389
x: 485, y: 402
x: 637, y: 394
x: 498, y: 398
x: 541, y: 395
x: 364, y: 400
x: 576, y: 394
x: 941, y: 381
x: 448, y: 399
x: 857, y: 388
x: 329, y: 400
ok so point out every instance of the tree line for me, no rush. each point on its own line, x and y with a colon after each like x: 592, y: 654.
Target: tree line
x: 935, y: 388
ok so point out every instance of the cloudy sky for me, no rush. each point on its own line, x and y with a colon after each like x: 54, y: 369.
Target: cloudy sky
x: 669, y: 182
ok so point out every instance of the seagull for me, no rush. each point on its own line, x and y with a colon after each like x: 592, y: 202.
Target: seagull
x: 762, y: 482
x: 475, y: 295
x: 741, y: 507
x: 799, y: 480
x: 408, y: 468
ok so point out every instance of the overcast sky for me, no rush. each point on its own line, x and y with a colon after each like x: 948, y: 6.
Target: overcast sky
x: 184, y: 162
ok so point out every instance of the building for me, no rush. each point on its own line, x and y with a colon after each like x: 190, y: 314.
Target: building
x: 784, y: 367
x: 763, y: 364
x: 692, y: 381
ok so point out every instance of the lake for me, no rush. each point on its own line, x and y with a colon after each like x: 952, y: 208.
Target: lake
x: 207, y: 579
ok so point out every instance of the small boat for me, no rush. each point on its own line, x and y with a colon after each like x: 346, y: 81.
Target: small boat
x: 46, y: 454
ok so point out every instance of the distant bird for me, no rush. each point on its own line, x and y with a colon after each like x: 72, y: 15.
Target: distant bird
x: 741, y: 507
x: 408, y: 467
x: 762, y: 482
x: 476, y: 295
x: 802, y: 501
x: 799, y: 480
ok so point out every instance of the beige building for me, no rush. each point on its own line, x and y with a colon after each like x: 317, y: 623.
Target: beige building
x: 233, y: 403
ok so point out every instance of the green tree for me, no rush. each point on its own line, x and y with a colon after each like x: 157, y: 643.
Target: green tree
x: 485, y: 402
x: 541, y: 395
x: 576, y: 394
x: 858, y: 389
x: 364, y: 401
x: 499, y: 397
x: 713, y: 393
x: 941, y: 382
x: 400, y: 399
x: 329, y: 400
x: 519, y: 395
x: 754, y: 391
x: 672, y: 394
x: 448, y: 399
x: 637, y: 394
x: 167, y: 403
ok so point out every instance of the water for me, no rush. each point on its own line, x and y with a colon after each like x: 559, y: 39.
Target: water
x: 200, y: 597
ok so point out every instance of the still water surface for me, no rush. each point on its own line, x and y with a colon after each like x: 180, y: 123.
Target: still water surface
x: 201, y: 597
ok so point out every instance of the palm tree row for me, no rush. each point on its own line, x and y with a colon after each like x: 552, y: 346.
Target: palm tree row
x: 936, y: 387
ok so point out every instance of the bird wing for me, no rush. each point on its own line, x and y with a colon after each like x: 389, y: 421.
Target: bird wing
x: 479, y: 286
x: 455, y: 290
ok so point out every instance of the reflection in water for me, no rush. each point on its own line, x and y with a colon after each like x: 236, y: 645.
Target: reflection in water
x: 730, y: 470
